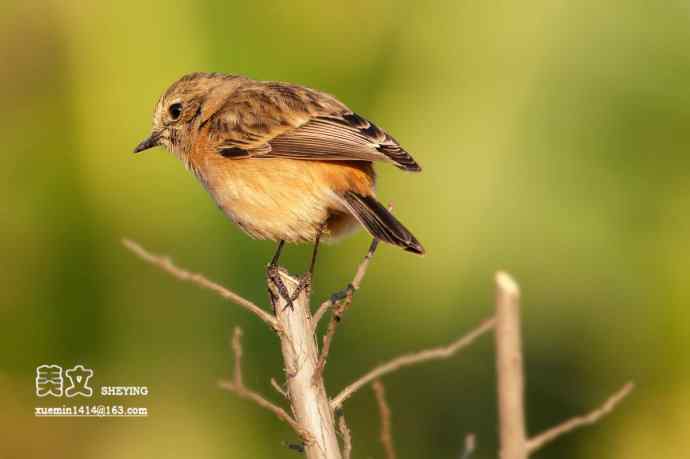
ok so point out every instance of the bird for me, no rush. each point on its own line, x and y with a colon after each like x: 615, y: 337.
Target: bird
x: 285, y: 162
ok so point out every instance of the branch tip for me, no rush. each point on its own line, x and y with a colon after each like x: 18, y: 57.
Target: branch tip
x: 506, y: 284
x: 470, y: 445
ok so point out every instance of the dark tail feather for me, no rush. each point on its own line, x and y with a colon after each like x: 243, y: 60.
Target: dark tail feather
x: 380, y: 223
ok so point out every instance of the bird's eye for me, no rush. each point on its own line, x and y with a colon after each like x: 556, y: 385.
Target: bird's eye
x: 175, y: 110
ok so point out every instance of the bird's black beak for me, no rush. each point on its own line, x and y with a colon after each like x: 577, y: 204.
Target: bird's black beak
x: 151, y: 141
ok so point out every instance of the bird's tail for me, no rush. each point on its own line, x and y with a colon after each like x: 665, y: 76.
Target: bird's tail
x: 380, y: 223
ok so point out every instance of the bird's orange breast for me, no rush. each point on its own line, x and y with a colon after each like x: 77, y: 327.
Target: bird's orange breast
x: 284, y: 199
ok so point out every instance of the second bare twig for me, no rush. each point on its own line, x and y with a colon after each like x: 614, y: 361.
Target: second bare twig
x: 538, y: 441
x: 237, y: 386
x: 386, y: 435
x: 347, y: 437
x: 437, y: 353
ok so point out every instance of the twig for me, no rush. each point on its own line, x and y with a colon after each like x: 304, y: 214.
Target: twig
x: 509, y: 368
x: 538, y: 441
x: 279, y: 389
x: 347, y: 437
x: 386, y: 436
x: 166, y: 265
x: 326, y: 305
x: 415, y: 358
x: 337, y: 313
x: 470, y: 446
x: 340, y: 309
x: 352, y: 287
x: 237, y: 350
x: 262, y: 402
x: 237, y: 386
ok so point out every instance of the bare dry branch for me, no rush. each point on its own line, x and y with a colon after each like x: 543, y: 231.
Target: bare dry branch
x: 313, y: 418
x: 538, y: 441
x: 509, y: 368
x: 309, y: 401
x: 167, y: 265
x: 346, y: 294
x: 386, y: 435
x: 237, y: 386
x: 415, y: 358
x: 347, y: 437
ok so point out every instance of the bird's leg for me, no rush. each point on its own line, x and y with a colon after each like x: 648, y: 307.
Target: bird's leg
x: 274, y: 276
x: 276, y: 256
x: 315, y: 252
x: 306, y: 279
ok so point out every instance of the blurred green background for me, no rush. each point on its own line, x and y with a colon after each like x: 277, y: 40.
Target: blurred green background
x: 554, y: 140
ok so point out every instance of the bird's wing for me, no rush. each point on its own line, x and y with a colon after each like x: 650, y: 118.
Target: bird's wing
x: 288, y: 121
x: 341, y: 137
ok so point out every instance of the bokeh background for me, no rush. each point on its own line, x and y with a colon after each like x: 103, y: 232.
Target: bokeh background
x: 554, y: 139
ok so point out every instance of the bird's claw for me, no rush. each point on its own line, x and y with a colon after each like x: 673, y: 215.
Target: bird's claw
x: 273, y: 274
x: 304, y: 285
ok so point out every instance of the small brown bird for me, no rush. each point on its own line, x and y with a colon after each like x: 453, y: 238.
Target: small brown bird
x: 284, y: 162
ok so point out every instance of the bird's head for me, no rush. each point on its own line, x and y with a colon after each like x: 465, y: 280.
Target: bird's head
x: 184, y: 107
